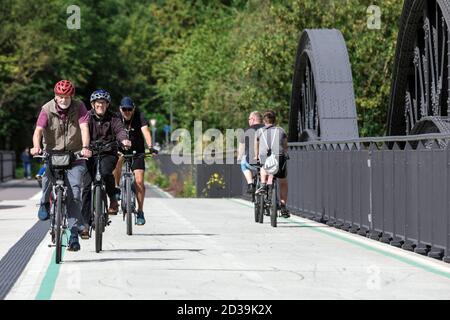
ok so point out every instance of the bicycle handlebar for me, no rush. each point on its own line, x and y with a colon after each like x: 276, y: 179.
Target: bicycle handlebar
x: 134, y: 154
x: 45, y: 155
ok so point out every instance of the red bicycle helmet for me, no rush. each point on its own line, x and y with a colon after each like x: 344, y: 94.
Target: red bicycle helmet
x: 65, y: 87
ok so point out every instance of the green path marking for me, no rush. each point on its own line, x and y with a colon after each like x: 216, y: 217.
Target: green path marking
x: 367, y: 247
x: 49, y: 281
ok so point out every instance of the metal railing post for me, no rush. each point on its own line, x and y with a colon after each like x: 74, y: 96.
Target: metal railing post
x: 369, y: 164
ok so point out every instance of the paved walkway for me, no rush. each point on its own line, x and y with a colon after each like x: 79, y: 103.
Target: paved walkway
x: 212, y: 249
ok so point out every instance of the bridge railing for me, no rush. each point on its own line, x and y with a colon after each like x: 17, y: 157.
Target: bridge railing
x: 393, y: 189
x: 7, y: 165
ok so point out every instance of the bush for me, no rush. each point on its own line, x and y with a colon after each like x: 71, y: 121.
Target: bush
x: 189, y: 189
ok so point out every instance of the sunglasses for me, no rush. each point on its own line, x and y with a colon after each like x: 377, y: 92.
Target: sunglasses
x: 126, y: 109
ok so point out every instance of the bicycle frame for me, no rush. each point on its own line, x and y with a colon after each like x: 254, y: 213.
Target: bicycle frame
x: 273, y: 201
x: 98, y: 181
x: 127, y: 174
x: 57, y: 178
x: 99, y: 204
x: 58, y: 210
x: 256, y: 181
x: 127, y: 183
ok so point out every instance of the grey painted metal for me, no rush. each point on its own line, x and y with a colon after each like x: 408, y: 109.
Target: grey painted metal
x: 323, y: 70
x: 433, y: 124
x: 421, y: 83
x: 229, y: 184
x: 7, y: 165
x: 169, y: 168
x: 16, y: 259
x: 409, y: 185
x: 368, y: 140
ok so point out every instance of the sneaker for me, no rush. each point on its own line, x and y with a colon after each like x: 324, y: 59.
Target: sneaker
x: 43, y: 211
x: 74, y: 244
x: 285, y: 212
x: 262, y: 189
x: 113, y: 207
x: 140, y: 220
x: 250, y: 188
x: 84, y: 234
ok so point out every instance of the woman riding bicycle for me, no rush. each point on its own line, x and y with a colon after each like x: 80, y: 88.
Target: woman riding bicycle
x: 105, y: 126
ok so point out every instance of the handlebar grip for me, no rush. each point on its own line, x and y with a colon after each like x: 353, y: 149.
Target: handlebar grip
x: 78, y: 156
x: 41, y: 155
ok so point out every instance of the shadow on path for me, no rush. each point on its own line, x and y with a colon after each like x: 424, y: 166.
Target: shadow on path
x: 119, y: 259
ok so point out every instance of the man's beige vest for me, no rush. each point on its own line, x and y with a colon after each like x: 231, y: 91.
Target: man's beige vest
x: 62, y: 135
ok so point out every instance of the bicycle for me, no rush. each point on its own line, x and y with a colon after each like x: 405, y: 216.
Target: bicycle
x: 270, y: 201
x: 99, y: 200
x: 255, y: 198
x: 128, y: 202
x: 58, y: 163
x: 274, y: 204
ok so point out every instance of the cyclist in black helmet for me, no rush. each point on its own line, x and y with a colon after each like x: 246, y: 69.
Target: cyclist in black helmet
x: 104, y: 126
x: 134, y: 120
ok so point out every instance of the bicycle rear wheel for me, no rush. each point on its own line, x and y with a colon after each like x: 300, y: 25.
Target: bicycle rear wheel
x: 129, y: 213
x: 98, y: 220
x: 58, y: 227
x: 261, y: 201
x: 256, y: 205
x: 274, y: 205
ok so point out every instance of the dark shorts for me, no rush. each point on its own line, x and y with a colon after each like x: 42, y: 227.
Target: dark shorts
x: 282, y: 171
x: 138, y: 163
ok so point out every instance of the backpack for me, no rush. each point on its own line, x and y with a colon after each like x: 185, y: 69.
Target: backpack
x: 271, y: 165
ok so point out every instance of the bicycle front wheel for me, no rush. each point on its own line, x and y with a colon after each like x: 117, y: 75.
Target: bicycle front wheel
x: 58, y: 227
x: 273, y: 206
x: 98, y: 210
x: 129, y: 213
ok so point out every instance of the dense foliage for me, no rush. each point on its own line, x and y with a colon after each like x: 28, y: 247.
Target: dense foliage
x: 203, y: 60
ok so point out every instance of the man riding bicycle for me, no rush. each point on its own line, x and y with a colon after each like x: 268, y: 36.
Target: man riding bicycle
x: 63, y: 123
x: 246, y: 149
x: 272, y: 139
x: 134, y: 121
x: 105, y: 127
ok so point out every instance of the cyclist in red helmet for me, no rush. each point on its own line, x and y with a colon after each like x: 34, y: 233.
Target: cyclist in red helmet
x: 63, y: 125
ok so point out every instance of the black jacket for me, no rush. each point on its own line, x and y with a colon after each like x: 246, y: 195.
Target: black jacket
x: 106, y: 129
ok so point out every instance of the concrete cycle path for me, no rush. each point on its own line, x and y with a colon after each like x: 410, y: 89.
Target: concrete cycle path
x: 213, y: 249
